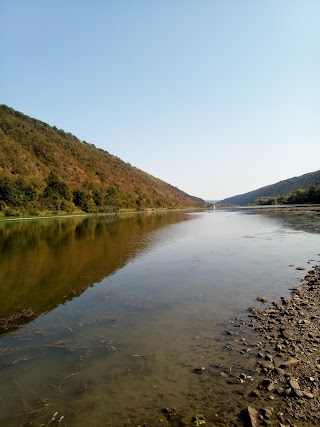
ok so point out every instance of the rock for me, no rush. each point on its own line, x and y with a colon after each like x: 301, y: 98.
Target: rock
x: 298, y: 393
x: 300, y: 268
x: 270, y: 387
x: 252, y: 417
x: 280, y: 372
x: 254, y: 310
x: 294, y: 384
x: 198, y: 420
x: 287, y: 334
x: 267, y: 365
x: 224, y: 375
x: 266, y: 412
x: 173, y: 417
x: 255, y: 393
x: 287, y: 391
x: 262, y: 299
x: 268, y: 384
x: 288, y: 363
x: 199, y: 370
x: 308, y: 395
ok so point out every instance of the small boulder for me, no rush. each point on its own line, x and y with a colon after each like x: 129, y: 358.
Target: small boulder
x: 262, y: 299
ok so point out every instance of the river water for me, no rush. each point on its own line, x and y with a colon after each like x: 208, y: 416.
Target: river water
x: 128, y: 306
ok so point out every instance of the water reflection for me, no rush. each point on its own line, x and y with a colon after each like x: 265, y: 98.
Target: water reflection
x: 45, y: 262
x: 128, y: 346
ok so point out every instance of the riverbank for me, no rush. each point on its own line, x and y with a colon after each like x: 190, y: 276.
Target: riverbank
x: 286, y: 357
x: 84, y: 214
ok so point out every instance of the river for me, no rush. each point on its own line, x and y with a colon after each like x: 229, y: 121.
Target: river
x: 128, y: 306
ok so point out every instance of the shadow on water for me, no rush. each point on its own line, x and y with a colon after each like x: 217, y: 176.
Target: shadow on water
x: 46, y: 262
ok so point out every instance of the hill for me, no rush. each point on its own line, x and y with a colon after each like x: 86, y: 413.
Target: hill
x: 44, y: 168
x: 281, y: 187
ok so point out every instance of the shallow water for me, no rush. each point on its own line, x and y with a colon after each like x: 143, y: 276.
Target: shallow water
x: 133, y: 304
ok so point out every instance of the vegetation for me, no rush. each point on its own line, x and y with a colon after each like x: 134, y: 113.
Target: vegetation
x: 275, y: 190
x: 300, y: 196
x: 44, y: 169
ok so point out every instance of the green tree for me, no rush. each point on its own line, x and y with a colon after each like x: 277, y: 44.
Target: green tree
x: 82, y: 200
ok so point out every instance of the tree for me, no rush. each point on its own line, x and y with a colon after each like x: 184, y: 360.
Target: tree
x: 82, y: 200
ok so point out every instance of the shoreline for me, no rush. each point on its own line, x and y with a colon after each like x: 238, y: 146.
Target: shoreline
x: 284, y: 342
x: 76, y: 215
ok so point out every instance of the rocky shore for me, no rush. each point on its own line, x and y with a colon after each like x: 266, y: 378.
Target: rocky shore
x: 287, y: 358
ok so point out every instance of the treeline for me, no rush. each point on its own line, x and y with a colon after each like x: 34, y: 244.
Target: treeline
x: 17, y: 197
x: 300, y: 196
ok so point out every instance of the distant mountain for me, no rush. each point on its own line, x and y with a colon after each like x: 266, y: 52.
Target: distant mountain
x: 44, y: 168
x: 281, y: 187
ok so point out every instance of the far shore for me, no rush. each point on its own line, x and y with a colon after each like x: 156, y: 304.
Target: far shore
x: 308, y: 208
x: 85, y: 214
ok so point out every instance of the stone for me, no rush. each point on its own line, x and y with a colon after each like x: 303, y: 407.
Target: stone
x: 199, y: 370
x: 285, y: 301
x: 198, y: 421
x: 252, y: 417
x: 294, y: 384
x: 224, y: 375
x: 288, y: 363
x: 268, y: 384
x: 262, y: 299
x: 287, y: 391
x: 266, y: 412
x: 308, y: 395
x: 287, y: 334
x: 298, y: 393
x: 267, y: 365
x: 280, y: 372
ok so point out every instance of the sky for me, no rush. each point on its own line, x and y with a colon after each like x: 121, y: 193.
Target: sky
x: 216, y: 97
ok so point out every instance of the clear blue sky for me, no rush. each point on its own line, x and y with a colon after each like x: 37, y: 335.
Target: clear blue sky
x: 217, y: 97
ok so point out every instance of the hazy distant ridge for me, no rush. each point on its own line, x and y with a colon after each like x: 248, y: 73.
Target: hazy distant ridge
x: 281, y: 187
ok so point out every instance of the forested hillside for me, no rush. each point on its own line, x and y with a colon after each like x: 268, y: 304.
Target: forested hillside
x: 300, y: 196
x: 281, y: 187
x: 43, y: 168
